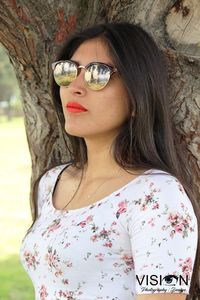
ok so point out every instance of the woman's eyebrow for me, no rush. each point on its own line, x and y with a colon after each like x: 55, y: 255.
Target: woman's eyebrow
x: 78, y: 62
x: 93, y: 61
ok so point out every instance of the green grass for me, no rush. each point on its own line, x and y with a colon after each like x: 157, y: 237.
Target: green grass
x: 14, y: 283
x: 15, y: 215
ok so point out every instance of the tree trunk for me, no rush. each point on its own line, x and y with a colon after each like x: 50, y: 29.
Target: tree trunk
x: 32, y: 32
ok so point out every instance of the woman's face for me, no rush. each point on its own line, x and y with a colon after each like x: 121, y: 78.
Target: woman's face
x: 107, y: 109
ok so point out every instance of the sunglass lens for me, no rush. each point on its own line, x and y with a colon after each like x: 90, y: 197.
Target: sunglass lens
x: 97, y: 76
x: 65, y: 73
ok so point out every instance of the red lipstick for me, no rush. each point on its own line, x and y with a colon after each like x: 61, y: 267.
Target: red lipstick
x: 75, y: 107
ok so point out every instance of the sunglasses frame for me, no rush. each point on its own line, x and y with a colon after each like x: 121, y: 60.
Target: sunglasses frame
x: 111, y: 68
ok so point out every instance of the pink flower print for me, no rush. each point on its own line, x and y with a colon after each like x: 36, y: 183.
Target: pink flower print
x: 180, y: 187
x: 173, y: 218
x: 67, y: 245
x: 143, y: 207
x: 182, y: 205
x: 58, y: 272
x: 86, y: 221
x: 155, y: 206
x: 127, y: 263
x: 179, y: 227
x: 122, y: 209
x: 100, y: 256
x: 180, y: 224
x: 94, y: 238
x: 52, y: 260
x: 51, y: 228
x: 122, y: 204
x: 103, y: 235
x: 186, y: 266
x: 114, y: 223
x: 31, y: 258
x: 151, y: 222
x: 43, y: 293
x: 172, y: 233
x: 108, y: 244
x: 65, y: 281
x: 94, y: 228
x: 82, y: 223
x: 89, y: 219
x: 68, y: 264
x: 51, y: 257
x: 67, y: 294
x: 148, y: 198
x: 128, y: 259
x: 60, y: 293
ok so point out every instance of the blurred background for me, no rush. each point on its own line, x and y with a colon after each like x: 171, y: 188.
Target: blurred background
x: 15, y: 172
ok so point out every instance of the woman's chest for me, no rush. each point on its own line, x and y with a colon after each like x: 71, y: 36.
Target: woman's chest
x: 78, y: 237
x: 69, y: 195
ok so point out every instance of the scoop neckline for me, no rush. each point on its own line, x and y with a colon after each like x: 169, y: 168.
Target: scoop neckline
x: 64, y: 211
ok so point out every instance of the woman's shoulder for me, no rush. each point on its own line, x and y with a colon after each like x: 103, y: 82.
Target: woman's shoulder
x: 160, y: 176
x: 55, y: 170
x: 166, y: 180
x: 157, y: 194
x: 159, y: 186
x: 52, y: 173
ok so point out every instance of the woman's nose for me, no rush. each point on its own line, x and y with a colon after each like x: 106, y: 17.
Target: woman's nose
x: 78, y: 85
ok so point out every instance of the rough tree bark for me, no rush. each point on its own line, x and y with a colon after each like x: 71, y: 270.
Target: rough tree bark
x: 32, y: 31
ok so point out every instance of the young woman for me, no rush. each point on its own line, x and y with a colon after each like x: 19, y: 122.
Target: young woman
x: 119, y: 219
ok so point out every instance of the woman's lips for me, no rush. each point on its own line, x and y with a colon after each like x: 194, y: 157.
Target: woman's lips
x: 75, y: 109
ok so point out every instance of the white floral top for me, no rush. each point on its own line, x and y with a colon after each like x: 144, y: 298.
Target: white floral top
x: 141, y: 239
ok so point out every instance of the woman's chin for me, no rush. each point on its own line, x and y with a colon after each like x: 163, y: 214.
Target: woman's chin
x: 74, y: 131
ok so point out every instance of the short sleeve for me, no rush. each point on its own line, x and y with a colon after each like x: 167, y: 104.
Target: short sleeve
x: 163, y: 233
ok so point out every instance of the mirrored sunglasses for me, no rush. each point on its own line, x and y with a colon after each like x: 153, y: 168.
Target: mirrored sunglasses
x: 96, y: 75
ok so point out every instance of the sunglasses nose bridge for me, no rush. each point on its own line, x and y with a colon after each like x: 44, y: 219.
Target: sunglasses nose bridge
x: 81, y: 67
x: 79, y: 70
x: 79, y: 79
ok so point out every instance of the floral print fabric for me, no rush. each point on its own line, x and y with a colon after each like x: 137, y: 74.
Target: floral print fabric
x: 141, y: 239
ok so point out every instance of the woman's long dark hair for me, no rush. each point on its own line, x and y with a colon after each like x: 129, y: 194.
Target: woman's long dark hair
x: 149, y: 139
